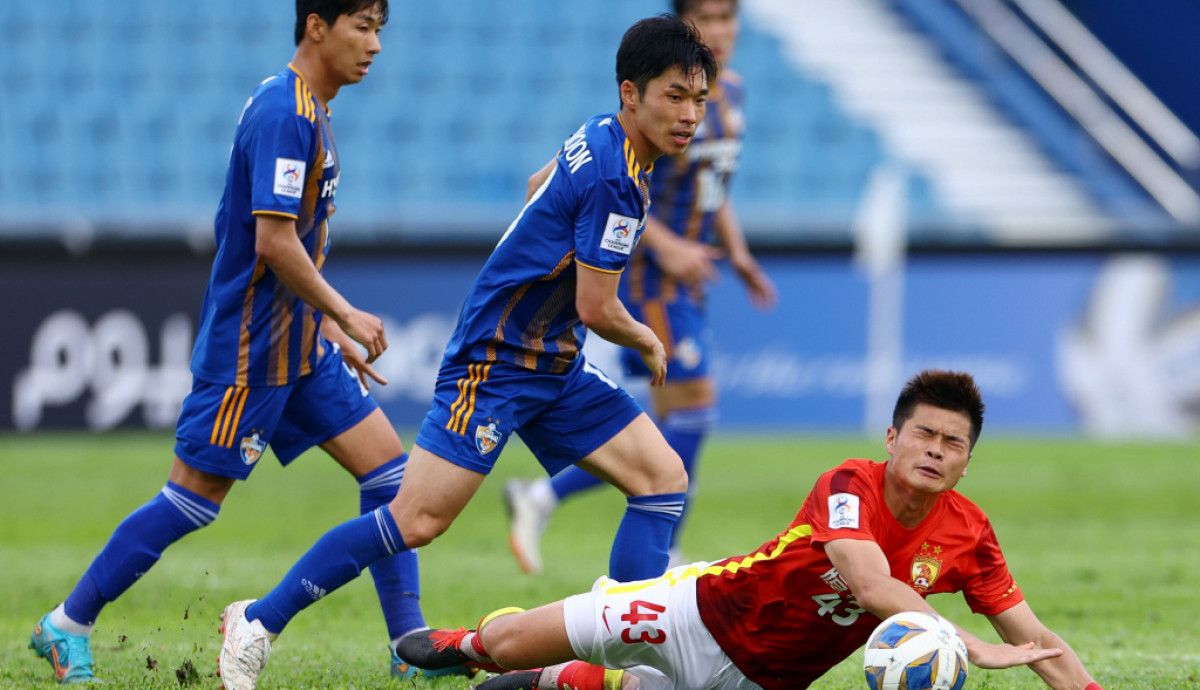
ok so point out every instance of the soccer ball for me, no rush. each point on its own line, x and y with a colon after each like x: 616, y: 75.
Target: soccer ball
x: 915, y: 650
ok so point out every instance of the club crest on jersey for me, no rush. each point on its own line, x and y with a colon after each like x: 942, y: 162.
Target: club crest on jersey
x: 926, y: 566
x: 252, y: 448
x: 486, y: 438
x: 619, y: 234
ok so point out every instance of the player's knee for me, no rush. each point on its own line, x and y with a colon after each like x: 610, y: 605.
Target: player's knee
x: 502, y: 644
x: 420, y: 529
x: 672, y: 479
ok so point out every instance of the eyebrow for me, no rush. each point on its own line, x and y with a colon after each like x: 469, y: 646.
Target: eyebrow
x: 949, y: 437
x: 680, y: 87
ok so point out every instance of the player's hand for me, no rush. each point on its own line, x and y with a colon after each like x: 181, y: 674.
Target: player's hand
x: 367, y: 330
x: 689, y: 261
x: 351, y: 353
x: 354, y: 359
x: 986, y: 655
x: 761, y: 289
x: 655, y: 358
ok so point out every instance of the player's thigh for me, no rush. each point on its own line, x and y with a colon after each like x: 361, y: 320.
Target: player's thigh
x: 326, y: 405
x: 651, y: 623
x: 687, y: 394
x: 433, y: 493
x: 588, y: 413
x: 224, y: 430
x: 639, y: 461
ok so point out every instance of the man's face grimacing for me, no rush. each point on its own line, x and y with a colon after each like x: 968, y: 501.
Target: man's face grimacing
x: 930, y: 451
x: 671, y: 109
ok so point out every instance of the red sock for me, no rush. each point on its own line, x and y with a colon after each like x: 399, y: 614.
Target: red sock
x: 580, y: 675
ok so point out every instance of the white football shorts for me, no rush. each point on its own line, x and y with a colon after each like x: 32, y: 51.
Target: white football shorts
x: 653, y: 629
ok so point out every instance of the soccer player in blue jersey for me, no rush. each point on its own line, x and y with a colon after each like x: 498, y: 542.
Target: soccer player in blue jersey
x: 665, y: 284
x: 514, y: 363
x: 276, y: 361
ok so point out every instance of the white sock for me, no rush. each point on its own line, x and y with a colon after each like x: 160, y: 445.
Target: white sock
x: 60, y: 620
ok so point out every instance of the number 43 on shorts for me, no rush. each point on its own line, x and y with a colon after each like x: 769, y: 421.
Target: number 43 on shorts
x: 641, y: 615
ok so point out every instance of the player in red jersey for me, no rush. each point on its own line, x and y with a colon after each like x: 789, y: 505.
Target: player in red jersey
x: 871, y: 539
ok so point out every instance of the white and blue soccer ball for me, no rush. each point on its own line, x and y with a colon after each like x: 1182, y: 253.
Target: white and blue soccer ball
x: 915, y: 650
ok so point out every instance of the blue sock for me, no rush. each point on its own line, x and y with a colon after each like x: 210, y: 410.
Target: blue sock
x: 639, y: 551
x: 338, y: 557
x: 685, y: 431
x: 571, y: 481
x: 135, y: 546
x: 397, y: 579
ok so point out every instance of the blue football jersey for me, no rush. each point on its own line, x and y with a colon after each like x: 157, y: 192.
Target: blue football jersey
x: 253, y: 330
x: 590, y: 211
x: 689, y: 188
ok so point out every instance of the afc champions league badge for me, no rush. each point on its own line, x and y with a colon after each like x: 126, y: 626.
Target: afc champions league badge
x: 486, y: 438
x: 926, y: 566
x: 252, y: 448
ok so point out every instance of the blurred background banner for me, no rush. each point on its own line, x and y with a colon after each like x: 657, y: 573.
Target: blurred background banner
x: 1098, y: 343
x: 1044, y: 231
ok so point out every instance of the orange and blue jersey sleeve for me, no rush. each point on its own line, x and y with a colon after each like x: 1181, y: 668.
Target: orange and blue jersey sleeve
x: 279, y: 156
x: 608, y: 224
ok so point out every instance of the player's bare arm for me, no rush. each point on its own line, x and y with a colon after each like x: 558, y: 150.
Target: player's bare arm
x: 276, y: 242
x: 602, y: 312
x: 683, y: 259
x: 1019, y: 625
x: 538, y: 179
x: 351, y: 353
x: 729, y: 232
x: 865, y: 568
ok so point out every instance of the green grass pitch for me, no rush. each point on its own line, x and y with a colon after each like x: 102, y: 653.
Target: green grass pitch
x: 1103, y: 538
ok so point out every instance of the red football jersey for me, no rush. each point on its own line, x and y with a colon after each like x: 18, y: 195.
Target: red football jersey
x: 784, y: 614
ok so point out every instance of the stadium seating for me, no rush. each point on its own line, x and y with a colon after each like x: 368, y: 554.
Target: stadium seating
x: 121, y: 115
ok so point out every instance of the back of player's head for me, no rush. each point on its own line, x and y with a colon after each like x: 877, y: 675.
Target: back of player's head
x: 330, y: 10
x: 655, y: 45
x: 682, y: 7
x: 948, y: 390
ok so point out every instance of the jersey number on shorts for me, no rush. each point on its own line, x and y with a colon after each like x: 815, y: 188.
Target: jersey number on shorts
x: 635, y: 617
x: 830, y: 603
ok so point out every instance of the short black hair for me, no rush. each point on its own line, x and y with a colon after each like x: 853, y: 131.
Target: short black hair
x: 682, y: 7
x: 653, y: 46
x: 330, y: 10
x: 948, y: 390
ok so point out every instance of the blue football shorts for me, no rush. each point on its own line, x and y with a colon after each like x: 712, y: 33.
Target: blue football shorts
x: 562, y: 418
x: 683, y: 329
x: 225, y: 429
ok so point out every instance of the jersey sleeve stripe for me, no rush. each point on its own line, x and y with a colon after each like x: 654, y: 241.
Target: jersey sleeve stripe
x: 281, y: 214
x: 598, y: 269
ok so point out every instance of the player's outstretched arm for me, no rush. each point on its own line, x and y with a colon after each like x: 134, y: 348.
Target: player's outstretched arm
x: 1019, y: 626
x: 761, y: 289
x: 865, y: 568
x: 603, y: 313
x: 276, y: 242
x: 537, y: 179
